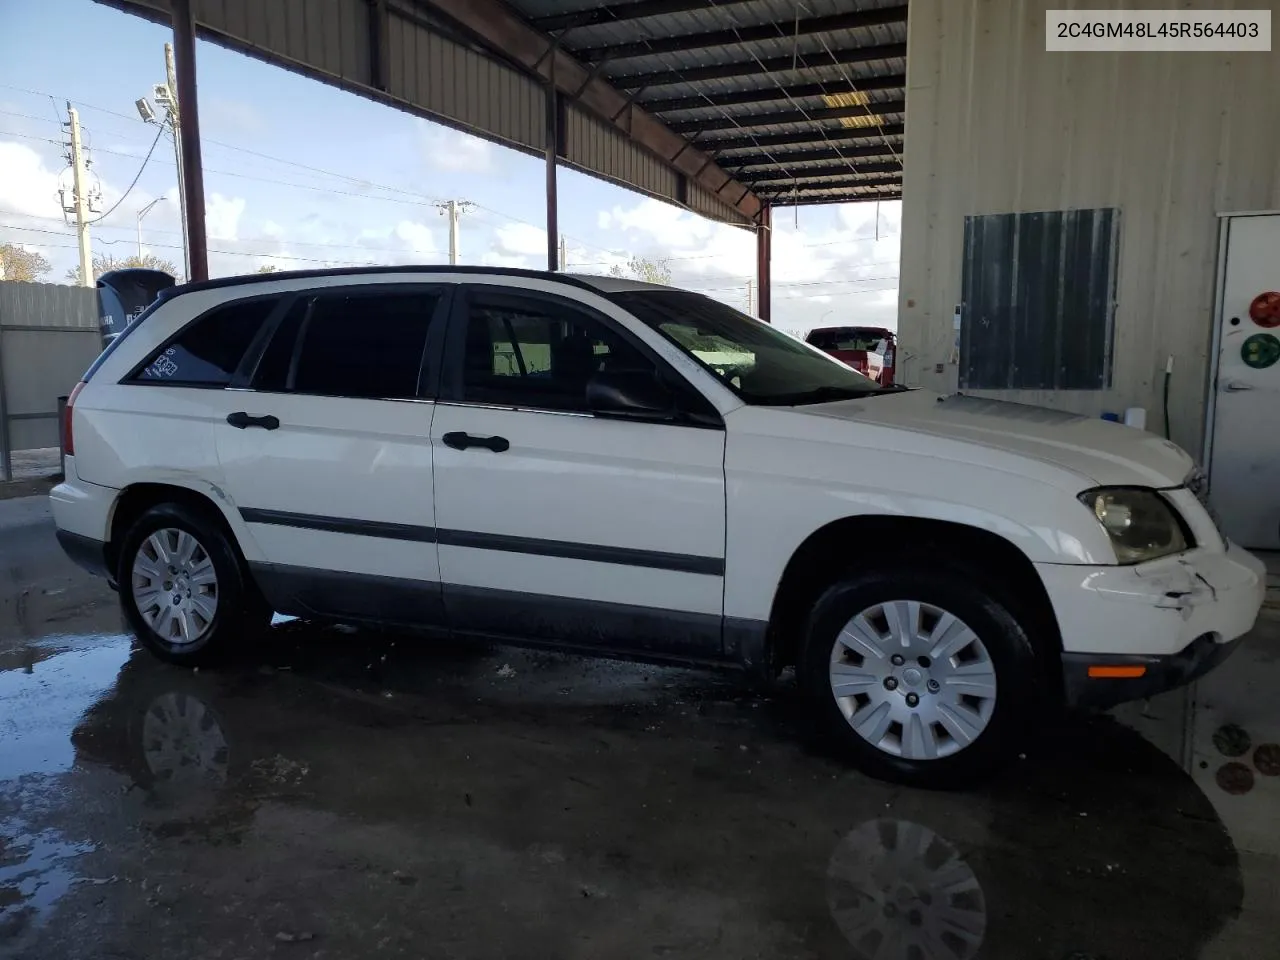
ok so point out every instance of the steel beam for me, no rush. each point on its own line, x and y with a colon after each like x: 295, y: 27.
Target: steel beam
x: 839, y: 198
x: 836, y: 154
x: 849, y: 190
x: 753, y: 67
x: 896, y: 81
x: 733, y: 121
x: 828, y: 135
x: 507, y: 35
x: 776, y: 183
x: 763, y: 31
x: 617, y: 12
x: 184, y: 56
x: 764, y: 261
x: 781, y: 173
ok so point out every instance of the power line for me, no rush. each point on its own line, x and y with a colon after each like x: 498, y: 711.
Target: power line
x: 137, y: 177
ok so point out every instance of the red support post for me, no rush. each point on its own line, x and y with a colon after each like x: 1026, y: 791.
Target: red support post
x: 764, y: 257
x: 184, y: 55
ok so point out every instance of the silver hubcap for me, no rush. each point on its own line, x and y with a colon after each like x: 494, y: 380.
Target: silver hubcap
x: 175, y: 586
x: 897, y: 890
x: 182, y: 741
x: 913, y: 680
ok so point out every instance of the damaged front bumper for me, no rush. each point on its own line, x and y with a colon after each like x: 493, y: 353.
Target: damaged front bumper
x: 1131, y: 632
x: 1093, y: 681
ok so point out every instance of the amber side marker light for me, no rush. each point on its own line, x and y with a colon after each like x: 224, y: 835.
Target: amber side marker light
x: 1117, y: 673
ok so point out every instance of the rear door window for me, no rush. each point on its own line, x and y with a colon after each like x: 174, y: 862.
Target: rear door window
x: 208, y: 351
x: 367, y: 345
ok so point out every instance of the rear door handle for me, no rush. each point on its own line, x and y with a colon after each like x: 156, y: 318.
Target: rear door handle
x: 241, y: 420
x: 1237, y: 387
x: 462, y: 441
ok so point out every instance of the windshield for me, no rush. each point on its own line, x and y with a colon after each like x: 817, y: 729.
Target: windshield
x: 760, y: 364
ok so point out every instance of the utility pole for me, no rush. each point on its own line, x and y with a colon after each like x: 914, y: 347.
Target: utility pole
x: 564, y: 254
x: 454, y: 209
x: 751, y: 297
x: 80, y: 201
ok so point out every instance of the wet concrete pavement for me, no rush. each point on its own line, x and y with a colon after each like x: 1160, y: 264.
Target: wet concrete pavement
x: 347, y: 793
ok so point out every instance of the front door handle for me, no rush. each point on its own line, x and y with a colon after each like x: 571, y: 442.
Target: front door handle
x: 241, y: 420
x: 1237, y: 387
x: 462, y: 441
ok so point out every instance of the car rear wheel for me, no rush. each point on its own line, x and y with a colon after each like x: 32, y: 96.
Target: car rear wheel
x: 182, y: 586
x: 921, y: 676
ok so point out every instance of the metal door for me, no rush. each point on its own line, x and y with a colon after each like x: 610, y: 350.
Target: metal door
x: 1244, y: 462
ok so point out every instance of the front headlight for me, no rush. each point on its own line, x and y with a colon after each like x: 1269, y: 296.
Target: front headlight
x: 1141, y: 524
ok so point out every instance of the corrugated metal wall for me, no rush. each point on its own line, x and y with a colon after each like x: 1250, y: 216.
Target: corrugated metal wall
x: 593, y: 145
x: 432, y: 75
x: 997, y: 125
x: 49, y: 334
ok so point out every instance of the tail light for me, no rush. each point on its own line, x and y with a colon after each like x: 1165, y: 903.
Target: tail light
x: 68, y: 442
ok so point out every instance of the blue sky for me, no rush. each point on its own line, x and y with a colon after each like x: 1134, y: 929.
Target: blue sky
x: 299, y: 174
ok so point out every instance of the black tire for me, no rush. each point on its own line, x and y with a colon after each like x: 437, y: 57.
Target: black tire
x: 1014, y: 658
x: 240, y: 612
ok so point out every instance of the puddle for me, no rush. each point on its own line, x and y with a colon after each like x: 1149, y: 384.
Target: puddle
x: 35, y: 873
x: 42, y: 700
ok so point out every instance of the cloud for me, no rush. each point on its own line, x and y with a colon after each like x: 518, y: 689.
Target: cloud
x: 521, y: 238
x: 661, y: 220
x: 417, y: 238
x: 222, y: 216
x: 847, y: 267
x: 496, y: 258
x: 516, y: 245
x: 451, y: 151
x: 28, y: 188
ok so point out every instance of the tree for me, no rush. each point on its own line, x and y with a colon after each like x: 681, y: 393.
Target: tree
x: 105, y: 263
x: 650, y: 271
x: 21, y: 264
x: 268, y: 268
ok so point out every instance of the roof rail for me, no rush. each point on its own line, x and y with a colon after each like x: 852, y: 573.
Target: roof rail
x: 364, y: 271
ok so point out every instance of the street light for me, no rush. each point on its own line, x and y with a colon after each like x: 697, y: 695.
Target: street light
x: 142, y: 213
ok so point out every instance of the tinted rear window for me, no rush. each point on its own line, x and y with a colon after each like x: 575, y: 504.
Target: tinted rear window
x: 368, y: 346
x: 208, y: 351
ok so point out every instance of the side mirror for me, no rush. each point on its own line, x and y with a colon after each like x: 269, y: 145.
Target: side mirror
x: 633, y: 394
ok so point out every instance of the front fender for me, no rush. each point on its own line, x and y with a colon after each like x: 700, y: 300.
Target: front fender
x: 773, y: 505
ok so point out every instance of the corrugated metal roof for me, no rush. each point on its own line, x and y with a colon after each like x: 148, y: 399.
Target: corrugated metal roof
x: 696, y: 65
x: 767, y: 88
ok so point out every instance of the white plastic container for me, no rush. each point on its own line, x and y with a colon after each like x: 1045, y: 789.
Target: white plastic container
x: 1136, y: 417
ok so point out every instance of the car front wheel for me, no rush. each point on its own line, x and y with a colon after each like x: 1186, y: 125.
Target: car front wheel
x: 921, y: 676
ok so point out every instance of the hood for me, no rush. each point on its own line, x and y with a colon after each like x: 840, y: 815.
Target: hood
x: 1103, y: 452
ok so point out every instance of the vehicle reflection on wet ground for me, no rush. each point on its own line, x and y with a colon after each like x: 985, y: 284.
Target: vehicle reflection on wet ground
x: 352, y: 793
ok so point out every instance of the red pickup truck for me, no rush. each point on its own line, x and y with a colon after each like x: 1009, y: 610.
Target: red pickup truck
x: 869, y: 350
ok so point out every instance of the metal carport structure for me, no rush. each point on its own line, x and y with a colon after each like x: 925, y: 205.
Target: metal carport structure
x: 725, y: 107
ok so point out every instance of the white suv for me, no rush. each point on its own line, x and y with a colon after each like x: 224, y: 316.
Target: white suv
x: 630, y: 470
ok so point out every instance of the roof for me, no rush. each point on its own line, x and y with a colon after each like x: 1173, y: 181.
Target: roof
x: 601, y: 284
x: 800, y: 103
